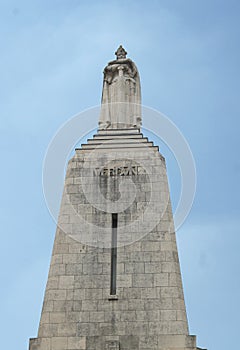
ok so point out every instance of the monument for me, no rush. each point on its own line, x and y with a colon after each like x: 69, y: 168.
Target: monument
x: 114, y: 280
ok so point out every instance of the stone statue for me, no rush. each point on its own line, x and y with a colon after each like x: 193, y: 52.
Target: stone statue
x: 121, y: 95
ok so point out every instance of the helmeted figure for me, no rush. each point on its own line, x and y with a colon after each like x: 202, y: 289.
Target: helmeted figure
x: 121, y: 96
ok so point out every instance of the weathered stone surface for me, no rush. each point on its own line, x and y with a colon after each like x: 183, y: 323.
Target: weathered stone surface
x: 77, y: 312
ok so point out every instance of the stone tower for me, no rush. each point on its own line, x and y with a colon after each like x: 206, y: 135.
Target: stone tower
x: 114, y: 280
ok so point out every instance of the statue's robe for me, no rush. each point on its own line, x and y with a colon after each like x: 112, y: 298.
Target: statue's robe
x: 121, y: 97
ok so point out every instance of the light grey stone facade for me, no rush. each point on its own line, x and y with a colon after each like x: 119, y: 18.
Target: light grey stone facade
x: 118, y: 172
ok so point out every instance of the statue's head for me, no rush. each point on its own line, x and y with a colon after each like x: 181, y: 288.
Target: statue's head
x: 121, y: 53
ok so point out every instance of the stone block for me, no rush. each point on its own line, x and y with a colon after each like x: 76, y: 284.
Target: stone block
x: 169, y: 267
x: 69, y: 294
x: 99, y: 281
x: 40, y: 344
x: 47, y: 330
x: 151, y: 246
x: 70, y: 258
x: 134, y: 267
x: 119, y: 305
x: 136, y: 328
x: 136, y: 304
x: 84, y: 329
x: 104, y: 257
x: 84, y: 316
x: 94, y: 342
x: 161, y: 279
x: 52, y: 282
x: 59, y: 343
x: 67, y: 329
x: 148, y: 293
x: 168, y: 246
x: 128, y: 316
x: 131, y: 293
x: 76, y: 343
x: 57, y: 270
x: 107, y: 328
x: 93, y: 269
x: 76, y: 248
x: 48, y: 305
x: 72, y: 189
x: 96, y: 316
x: 171, y: 341
x: 168, y: 315
x: 66, y: 282
x: 181, y: 315
x: 178, y: 303
x: 77, y: 305
x: 112, y: 316
x: 112, y: 345
x: 129, y: 342
x: 152, y: 315
x: 73, y: 316
x: 124, y: 280
x: 152, y: 267
x: 57, y: 259
x: 64, y: 219
x: 89, y: 305
x: 172, y: 292
x: 73, y: 269
x: 56, y: 294
x: 93, y: 294
x: 146, y: 342
x: 175, y: 279
x: 45, y: 317
x: 143, y: 280
x: 57, y: 317
x: 62, y: 305
x: 178, y: 327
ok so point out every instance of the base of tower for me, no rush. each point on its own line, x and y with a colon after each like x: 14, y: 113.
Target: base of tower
x: 124, y: 342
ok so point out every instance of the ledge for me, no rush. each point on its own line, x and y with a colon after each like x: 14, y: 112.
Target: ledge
x: 112, y: 297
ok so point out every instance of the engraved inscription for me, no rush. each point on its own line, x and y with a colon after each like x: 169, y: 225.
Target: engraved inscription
x: 119, y: 171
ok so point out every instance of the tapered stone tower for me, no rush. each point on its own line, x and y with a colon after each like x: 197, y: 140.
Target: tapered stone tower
x: 114, y: 280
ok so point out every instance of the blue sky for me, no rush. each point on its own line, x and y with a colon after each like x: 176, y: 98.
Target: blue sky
x: 51, y: 62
